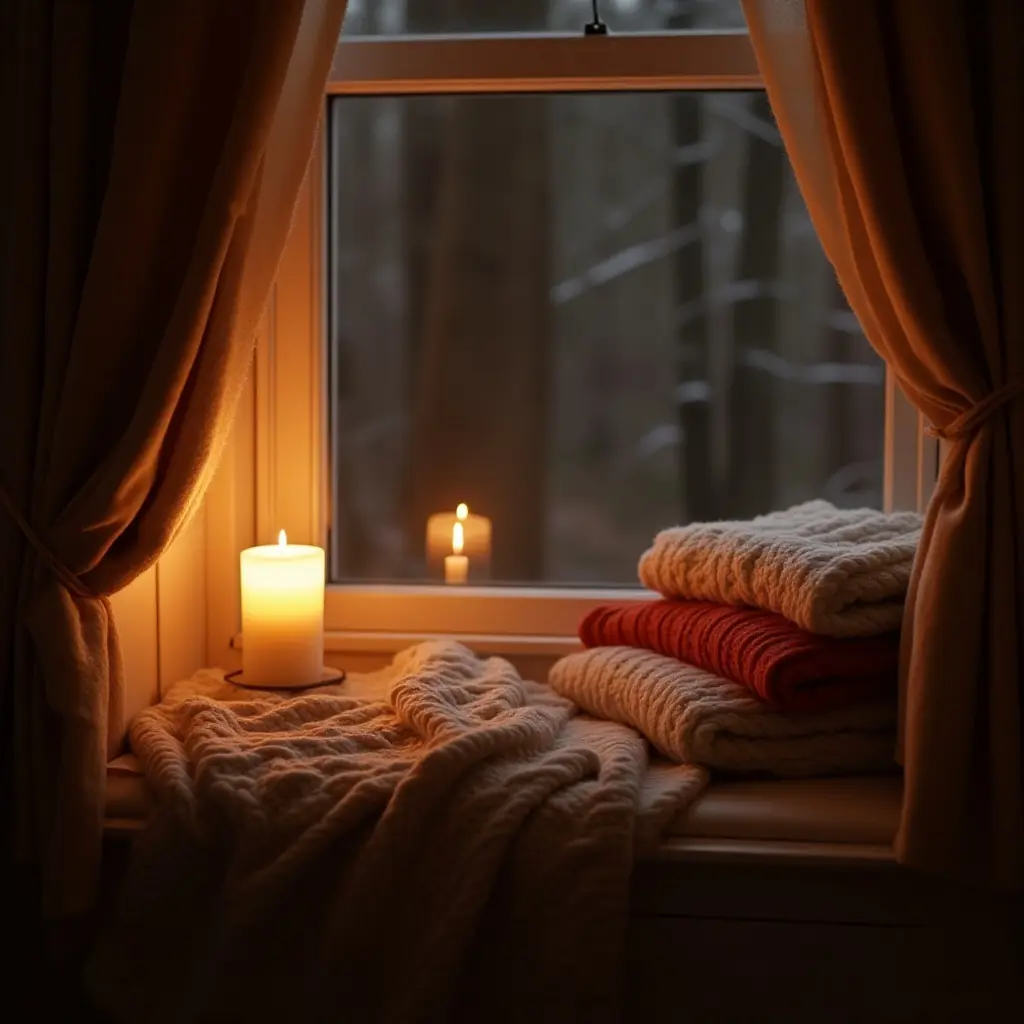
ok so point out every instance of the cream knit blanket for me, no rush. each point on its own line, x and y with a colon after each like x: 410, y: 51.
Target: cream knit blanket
x: 458, y: 849
x: 691, y: 715
x: 838, y: 572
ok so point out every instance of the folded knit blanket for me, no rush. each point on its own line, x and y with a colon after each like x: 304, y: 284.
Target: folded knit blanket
x: 781, y: 663
x: 838, y: 572
x: 692, y: 715
x: 458, y: 849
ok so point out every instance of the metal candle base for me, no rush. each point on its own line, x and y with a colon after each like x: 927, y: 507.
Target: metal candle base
x: 327, y: 676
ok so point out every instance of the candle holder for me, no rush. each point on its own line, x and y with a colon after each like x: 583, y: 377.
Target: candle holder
x: 327, y: 677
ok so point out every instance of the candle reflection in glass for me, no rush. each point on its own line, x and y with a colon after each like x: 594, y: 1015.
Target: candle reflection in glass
x: 470, y: 531
x: 456, y: 565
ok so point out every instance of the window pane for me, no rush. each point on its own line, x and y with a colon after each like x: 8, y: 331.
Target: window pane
x: 395, y: 17
x: 588, y: 317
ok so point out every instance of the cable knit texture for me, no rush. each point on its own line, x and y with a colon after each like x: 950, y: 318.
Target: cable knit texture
x: 692, y: 715
x: 837, y: 572
x: 443, y: 842
x: 777, y: 660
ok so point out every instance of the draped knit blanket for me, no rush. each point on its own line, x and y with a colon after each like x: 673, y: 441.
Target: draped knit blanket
x: 690, y: 714
x: 838, y: 572
x: 458, y: 849
x: 777, y: 660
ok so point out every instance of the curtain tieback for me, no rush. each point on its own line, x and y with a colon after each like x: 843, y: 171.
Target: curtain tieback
x: 57, y: 567
x: 967, y: 423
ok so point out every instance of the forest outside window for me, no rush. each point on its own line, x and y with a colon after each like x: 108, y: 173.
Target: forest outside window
x: 588, y: 317
x: 571, y: 282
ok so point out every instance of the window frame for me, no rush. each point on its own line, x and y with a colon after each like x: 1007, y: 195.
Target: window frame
x: 276, y: 471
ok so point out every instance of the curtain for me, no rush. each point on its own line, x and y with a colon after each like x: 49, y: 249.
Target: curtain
x: 158, y: 149
x: 902, y: 120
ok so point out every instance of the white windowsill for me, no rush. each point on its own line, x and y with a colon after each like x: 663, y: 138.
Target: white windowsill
x: 384, y: 642
x: 423, y: 611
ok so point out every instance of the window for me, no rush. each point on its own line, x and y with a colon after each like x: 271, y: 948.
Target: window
x: 589, y: 316
x: 570, y: 281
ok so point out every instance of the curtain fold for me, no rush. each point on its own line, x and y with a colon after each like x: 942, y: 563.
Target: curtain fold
x: 902, y: 123
x: 158, y: 152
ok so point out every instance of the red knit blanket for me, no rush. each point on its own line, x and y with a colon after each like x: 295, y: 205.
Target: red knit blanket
x: 780, y: 662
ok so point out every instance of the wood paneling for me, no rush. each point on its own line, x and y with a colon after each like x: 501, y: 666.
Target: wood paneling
x: 135, y: 614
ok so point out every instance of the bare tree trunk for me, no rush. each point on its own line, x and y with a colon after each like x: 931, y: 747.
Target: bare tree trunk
x: 840, y: 402
x: 755, y: 326
x: 350, y: 544
x: 698, y: 485
x: 422, y: 135
x: 854, y: 410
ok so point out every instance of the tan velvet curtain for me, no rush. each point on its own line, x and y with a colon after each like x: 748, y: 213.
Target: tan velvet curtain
x: 903, y: 122
x: 158, y: 148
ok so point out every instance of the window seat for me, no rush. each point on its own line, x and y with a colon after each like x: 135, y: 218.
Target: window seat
x: 793, y: 887
x: 845, y: 818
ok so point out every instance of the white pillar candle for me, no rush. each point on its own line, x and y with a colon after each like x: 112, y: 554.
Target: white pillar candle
x: 282, y: 614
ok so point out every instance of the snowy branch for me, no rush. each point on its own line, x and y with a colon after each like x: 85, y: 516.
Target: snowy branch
x: 624, y: 262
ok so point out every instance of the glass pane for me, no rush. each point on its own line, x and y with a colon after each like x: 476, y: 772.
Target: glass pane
x: 418, y: 17
x: 586, y: 316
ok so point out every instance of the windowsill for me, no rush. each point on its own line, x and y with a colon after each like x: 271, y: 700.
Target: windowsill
x: 388, y: 642
x: 844, y: 820
x: 362, y: 613
x: 502, y: 620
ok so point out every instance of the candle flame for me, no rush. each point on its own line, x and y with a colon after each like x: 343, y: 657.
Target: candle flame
x: 458, y: 539
x: 282, y: 539
x: 461, y: 512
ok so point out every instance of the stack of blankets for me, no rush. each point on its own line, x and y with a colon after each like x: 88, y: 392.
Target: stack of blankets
x: 773, y: 649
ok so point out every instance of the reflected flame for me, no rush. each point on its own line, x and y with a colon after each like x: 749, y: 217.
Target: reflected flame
x: 282, y: 539
x: 458, y: 540
x: 461, y: 512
